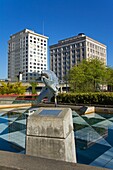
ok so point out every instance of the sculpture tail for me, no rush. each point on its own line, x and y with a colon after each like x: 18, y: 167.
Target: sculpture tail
x: 45, y: 93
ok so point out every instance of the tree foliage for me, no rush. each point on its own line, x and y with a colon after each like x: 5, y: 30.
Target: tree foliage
x: 89, y: 76
x: 34, y: 85
x: 109, y: 78
x: 9, y: 88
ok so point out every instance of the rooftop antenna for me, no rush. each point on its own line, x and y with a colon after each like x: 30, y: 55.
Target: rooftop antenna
x: 43, y: 27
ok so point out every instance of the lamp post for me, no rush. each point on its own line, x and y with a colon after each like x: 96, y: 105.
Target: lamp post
x: 55, y: 100
x: 66, y: 73
x: 66, y: 84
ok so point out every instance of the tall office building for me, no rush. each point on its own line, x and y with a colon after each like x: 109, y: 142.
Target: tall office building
x: 27, y: 55
x: 71, y: 51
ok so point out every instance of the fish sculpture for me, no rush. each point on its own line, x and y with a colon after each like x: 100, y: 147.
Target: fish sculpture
x: 51, y: 85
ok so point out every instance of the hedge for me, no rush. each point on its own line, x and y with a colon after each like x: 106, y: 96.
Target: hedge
x: 102, y: 98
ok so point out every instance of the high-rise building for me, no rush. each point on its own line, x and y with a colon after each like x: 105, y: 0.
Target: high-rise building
x: 27, y: 55
x: 71, y: 51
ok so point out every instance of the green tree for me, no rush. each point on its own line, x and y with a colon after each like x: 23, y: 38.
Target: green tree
x: 15, y: 88
x: 76, y: 79
x: 87, y: 76
x: 3, y: 88
x: 109, y: 78
x: 34, y: 85
x: 18, y: 88
x: 96, y: 73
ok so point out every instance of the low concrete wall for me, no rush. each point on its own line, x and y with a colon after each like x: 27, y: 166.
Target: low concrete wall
x: 7, y: 100
x: 76, y: 108
x: 96, y: 109
x: 13, y: 161
x: 104, y: 110
x: 73, y: 107
x: 15, y: 105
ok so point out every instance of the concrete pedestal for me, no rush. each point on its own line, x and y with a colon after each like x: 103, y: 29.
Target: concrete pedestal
x: 50, y: 134
x: 87, y: 109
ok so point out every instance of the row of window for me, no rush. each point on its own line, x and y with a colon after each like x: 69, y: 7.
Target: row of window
x: 38, y: 39
x: 31, y: 37
x: 94, y: 46
x: 31, y: 63
x: 67, y: 52
x: 96, y: 50
x: 21, y: 44
x: 34, y: 67
x: 75, y: 46
x: 37, y: 53
x: 37, y: 42
x: 38, y: 48
x: 39, y: 69
x: 70, y: 47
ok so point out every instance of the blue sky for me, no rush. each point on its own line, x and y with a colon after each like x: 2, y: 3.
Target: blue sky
x: 61, y: 19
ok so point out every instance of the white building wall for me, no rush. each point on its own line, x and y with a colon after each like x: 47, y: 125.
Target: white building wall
x: 27, y: 54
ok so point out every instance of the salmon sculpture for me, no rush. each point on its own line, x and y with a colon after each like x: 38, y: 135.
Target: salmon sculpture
x: 51, y: 86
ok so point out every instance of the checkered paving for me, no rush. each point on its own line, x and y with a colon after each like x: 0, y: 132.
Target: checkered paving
x: 94, y: 139
x: 13, y: 130
x: 93, y: 135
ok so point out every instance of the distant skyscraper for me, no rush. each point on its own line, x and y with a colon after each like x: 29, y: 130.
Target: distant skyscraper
x: 71, y: 51
x: 27, y: 55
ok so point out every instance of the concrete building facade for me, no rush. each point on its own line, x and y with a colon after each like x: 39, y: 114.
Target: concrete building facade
x: 27, y: 55
x: 71, y: 51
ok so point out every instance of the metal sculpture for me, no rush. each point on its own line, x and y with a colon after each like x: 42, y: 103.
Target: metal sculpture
x: 51, y: 86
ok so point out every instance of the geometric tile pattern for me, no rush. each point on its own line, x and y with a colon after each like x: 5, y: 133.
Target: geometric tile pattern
x: 93, y: 136
x: 13, y: 130
x: 94, y: 139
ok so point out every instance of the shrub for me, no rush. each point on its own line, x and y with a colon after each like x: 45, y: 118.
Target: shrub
x: 103, y: 98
